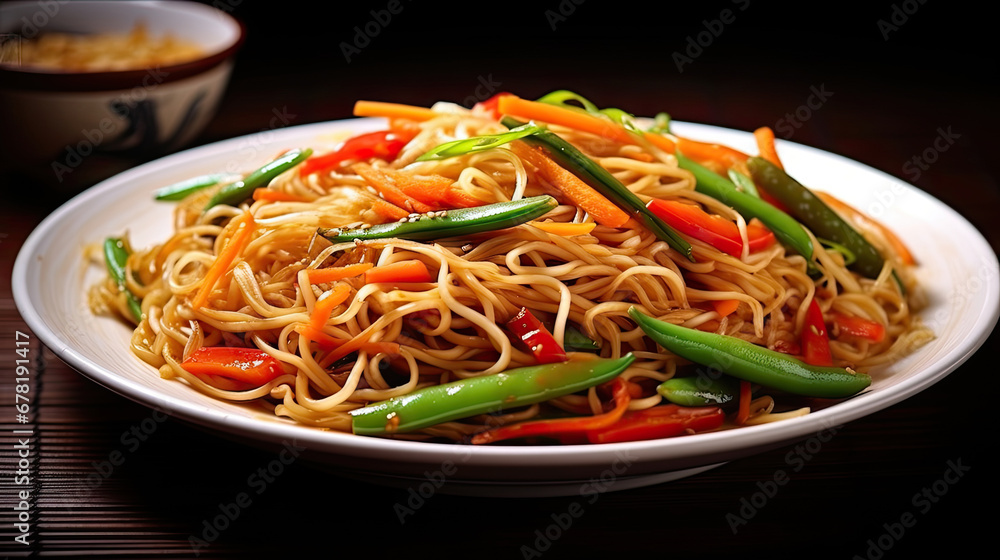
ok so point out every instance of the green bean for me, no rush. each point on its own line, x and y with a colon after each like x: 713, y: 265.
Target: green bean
x: 661, y: 124
x: 699, y: 390
x: 115, y: 258
x: 574, y: 339
x: 235, y: 193
x: 182, y: 189
x: 743, y: 183
x: 451, y: 223
x: 485, y: 394
x: 785, y: 228
x: 750, y: 362
x: 816, y: 215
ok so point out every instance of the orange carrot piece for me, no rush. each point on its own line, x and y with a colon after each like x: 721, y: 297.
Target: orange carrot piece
x: 897, y: 244
x: 661, y: 142
x: 456, y: 197
x: 583, y: 195
x: 334, y: 273
x: 765, y: 145
x: 436, y: 191
x: 387, y: 210
x: 166, y: 249
x: 237, y: 243
x: 725, y: 307
x: 272, y: 195
x: 383, y: 182
x: 324, y: 306
x: 364, y: 108
x: 431, y: 190
x: 564, y: 229
x: 340, y: 346
x: 412, y: 270
x: 723, y: 157
x: 570, y: 118
x: 708, y: 152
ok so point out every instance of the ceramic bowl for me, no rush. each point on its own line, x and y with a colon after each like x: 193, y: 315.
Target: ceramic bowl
x: 69, y: 129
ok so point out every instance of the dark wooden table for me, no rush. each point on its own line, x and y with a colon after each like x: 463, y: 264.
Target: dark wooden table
x: 878, y: 85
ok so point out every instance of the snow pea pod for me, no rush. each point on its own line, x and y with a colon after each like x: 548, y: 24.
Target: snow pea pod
x: 181, y: 189
x: 480, y: 395
x: 451, y: 223
x: 699, y: 390
x: 785, y: 227
x: 235, y: 193
x: 115, y: 257
x: 750, y: 362
x: 816, y: 215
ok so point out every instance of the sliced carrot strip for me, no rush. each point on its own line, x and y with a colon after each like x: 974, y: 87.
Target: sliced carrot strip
x: 364, y: 108
x: 334, y: 273
x: 225, y: 258
x: 428, y: 189
x: 436, y: 192
x: 711, y: 153
x: 725, y: 307
x: 271, y: 195
x: 765, y: 145
x: 387, y: 210
x: 341, y: 346
x: 412, y: 270
x: 383, y: 182
x: 721, y: 157
x: 554, y: 114
x: 324, y: 306
x: 897, y: 244
x: 566, y: 230
x: 661, y: 142
x: 456, y: 197
x: 602, y: 210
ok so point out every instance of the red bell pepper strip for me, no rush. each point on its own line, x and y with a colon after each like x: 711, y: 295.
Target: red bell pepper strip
x: 815, y: 342
x: 249, y: 365
x: 383, y: 144
x: 527, y: 328
x: 713, y: 229
x: 859, y: 326
x: 659, y: 422
x: 491, y: 106
x: 564, y: 429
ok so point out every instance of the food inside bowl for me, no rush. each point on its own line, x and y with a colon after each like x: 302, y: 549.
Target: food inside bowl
x: 100, y: 52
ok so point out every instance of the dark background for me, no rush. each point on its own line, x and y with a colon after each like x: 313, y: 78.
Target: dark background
x: 890, y: 95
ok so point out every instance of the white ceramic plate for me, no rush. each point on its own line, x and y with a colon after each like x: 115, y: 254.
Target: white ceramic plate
x: 50, y: 279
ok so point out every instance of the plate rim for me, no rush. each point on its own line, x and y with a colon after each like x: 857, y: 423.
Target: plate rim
x: 709, y: 445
